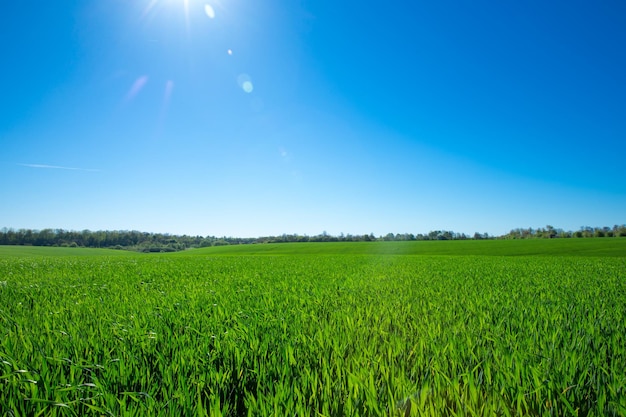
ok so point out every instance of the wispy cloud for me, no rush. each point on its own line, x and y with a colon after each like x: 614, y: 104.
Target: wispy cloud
x: 43, y: 166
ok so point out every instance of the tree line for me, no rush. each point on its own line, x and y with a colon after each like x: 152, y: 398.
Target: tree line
x: 164, y: 242
x: 550, y: 232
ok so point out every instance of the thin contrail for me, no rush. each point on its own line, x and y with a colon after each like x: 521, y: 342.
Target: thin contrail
x: 43, y: 166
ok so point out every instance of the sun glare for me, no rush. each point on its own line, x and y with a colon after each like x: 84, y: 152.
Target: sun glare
x: 190, y: 8
x: 187, y: 6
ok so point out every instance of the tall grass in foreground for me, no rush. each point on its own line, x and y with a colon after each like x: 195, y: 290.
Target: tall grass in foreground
x: 300, y: 335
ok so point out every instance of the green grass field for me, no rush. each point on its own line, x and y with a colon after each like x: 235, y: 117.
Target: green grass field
x: 614, y: 247
x: 28, y: 251
x: 544, y: 247
x: 331, y: 329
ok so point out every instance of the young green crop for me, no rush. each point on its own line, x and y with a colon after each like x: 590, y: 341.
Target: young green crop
x: 312, y: 335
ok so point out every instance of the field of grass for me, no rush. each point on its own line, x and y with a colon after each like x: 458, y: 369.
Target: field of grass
x: 614, y: 247
x: 28, y: 251
x: 353, y: 332
x: 531, y: 247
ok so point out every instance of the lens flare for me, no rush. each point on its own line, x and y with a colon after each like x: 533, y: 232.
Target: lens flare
x: 147, y: 10
x: 245, y: 83
x: 247, y: 87
x: 209, y: 11
x: 136, y: 87
x: 169, y: 88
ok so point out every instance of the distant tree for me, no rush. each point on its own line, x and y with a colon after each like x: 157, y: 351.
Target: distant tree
x: 434, y: 234
x: 587, y: 231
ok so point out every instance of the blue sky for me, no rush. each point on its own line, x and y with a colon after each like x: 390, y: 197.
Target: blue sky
x: 249, y: 118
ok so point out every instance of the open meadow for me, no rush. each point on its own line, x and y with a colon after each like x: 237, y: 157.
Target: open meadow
x: 466, y: 328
